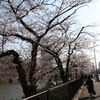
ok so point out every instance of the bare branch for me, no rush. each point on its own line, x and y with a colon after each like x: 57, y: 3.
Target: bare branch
x: 19, y: 36
x: 22, y: 22
x: 19, y: 5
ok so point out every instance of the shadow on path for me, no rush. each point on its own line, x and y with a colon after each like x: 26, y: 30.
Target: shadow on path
x: 88, y: 98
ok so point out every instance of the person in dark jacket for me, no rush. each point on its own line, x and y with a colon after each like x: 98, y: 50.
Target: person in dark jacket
x: 90, y: 86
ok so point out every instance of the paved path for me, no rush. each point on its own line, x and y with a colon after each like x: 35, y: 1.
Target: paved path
x: 85, y: 95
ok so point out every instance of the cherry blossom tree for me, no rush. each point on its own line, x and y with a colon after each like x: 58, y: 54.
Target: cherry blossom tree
x: 30, y: 21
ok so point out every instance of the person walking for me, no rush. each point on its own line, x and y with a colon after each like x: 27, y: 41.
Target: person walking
x: 90, y: 86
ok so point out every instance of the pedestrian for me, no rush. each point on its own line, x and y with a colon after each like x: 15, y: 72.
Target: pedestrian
x: 90, y: 86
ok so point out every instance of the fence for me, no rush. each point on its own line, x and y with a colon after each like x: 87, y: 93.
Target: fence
x: 62, y: 92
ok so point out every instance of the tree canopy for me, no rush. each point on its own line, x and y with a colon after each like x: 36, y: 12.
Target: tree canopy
x: 37, y: 26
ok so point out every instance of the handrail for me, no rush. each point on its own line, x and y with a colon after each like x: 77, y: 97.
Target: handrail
x: 50, y: 91
x: 45, y: 91
x: 35, y: 95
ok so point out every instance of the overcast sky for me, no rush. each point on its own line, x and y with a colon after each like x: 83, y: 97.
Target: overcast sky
x: 90, y: 14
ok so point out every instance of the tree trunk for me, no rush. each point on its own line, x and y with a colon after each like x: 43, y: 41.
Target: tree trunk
x: 32, y: 78
x: 67, y: 67
x: 60, y: 66
x: 22, y: 77
x: 30, y: 89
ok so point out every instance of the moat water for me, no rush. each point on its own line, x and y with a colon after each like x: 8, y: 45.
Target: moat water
x: 11, y: 92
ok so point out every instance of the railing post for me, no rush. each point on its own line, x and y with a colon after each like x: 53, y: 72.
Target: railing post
x: 70, y: 91
x: 48, y: 94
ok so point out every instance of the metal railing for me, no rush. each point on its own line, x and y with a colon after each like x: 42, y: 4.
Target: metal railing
x: 62, y: 92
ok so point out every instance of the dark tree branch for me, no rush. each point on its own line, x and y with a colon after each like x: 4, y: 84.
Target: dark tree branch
x: 19, y: 36
x: 77, y: 35
x: 24, y: 38
x: 70, y: 51
x: 19, y: 6
x: 22, y: 22
x: 8, y: 53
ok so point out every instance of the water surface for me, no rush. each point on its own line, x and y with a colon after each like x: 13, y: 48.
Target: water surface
x: 11, y: 92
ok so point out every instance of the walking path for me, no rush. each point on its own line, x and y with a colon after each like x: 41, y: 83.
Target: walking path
x: 85, y: 95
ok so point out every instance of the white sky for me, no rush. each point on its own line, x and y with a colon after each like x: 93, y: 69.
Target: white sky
x: 90, y: 15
